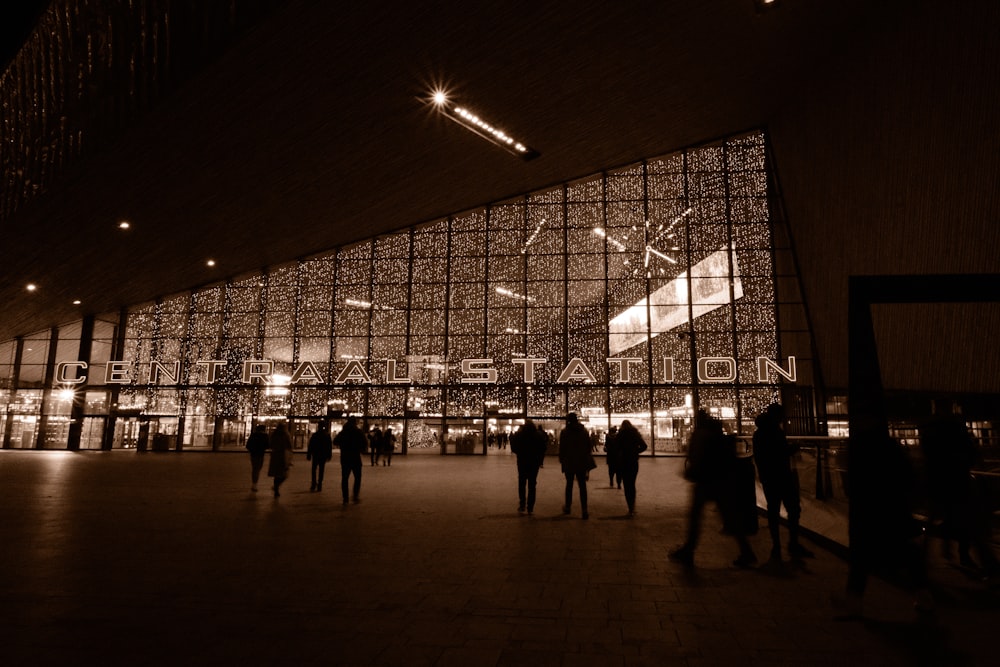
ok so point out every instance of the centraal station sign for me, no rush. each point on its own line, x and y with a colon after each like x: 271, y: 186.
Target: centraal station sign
x: 472, y: 371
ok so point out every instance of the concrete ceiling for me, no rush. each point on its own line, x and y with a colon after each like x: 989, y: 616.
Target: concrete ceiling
x: 314, y: 130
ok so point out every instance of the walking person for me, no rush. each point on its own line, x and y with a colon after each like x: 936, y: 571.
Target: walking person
x: 577, y: 461
x: 612, y: 454
x: 257, y: 444
x: 351, y: 441
x: 711, y: 460
x: 375, y: 444
x: 528, y: 444
x: 388, y: 446
x: 281, y: 455
x: 630, y: 445
x: 319, y: 451
x: 772, y: 454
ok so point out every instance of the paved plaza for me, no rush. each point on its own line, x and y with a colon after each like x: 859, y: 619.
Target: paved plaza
x: 119, y: 558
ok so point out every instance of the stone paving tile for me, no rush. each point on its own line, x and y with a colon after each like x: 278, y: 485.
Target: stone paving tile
x: 169, y: 559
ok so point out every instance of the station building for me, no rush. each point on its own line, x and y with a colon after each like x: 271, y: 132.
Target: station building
x: 643, y: 292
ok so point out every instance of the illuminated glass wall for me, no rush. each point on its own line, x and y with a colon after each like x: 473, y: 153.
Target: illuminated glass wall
x: 641, y: 293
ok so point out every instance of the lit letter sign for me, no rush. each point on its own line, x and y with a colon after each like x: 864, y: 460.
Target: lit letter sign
x: 481, y: 368
x: 257, y: 369
x: 529, y: 366
x: 576, y: 370
x: 624, y: 363
x: 116, y: 372
x: 390, y: 374
x: 62, y: 376
x: 156, y: 368
x: 703, y: 368
x: 353, y: 371
x: 213, y: 369
x: 306, y: 371
x: 763, y: 364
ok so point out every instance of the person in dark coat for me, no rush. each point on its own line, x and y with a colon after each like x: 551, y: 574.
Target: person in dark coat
x: 374, y: 437
x: 629, y: 444
x: 772, y: 454
x: 528, y: 444
x: 351, y: 441
x: 954, y: 497
x: 576, y: 459
x: 611, y: 457
x: 884, y: 537
x: 388, y: 446
x: 710, y: 464
x: 281, y: 455
x: 319, y: 451
x: 257, y: 444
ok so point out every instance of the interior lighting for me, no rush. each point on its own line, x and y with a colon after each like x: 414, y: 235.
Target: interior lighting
x: 619, y: 246
x: 534, y: 235
x: 124, y: 224
x: 472, y: 122
x: 210, y: 262
x: 76, y: 302
x: 31, y: 287
x: 513, y: 295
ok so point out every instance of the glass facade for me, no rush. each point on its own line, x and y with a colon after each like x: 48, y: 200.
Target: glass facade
x: 640, y: 293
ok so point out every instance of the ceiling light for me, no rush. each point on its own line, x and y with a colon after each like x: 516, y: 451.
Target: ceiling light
x: 31, y: 287
x: 472, y: 122
x: 76, y: 302
x: 124, y: 224
x: 210, y: 262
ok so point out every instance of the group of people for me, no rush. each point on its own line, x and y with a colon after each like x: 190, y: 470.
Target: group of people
x: 352, y: 440
x: 712, y: 465
x: 530, y: 443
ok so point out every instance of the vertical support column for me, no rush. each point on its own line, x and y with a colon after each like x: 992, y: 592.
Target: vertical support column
x: 108, y: 440
x: 80, y: 394
x: 9, y: 425
x: 50, y: 369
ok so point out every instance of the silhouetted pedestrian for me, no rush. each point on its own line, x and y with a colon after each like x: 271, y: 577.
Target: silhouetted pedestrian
x: 528, y: 444
x: 772, y: 454
x: 576, y: 459
x: 319, y: 451
x: 710, y: 463
x: 884, y: 537
x: 281, y: 455
x: 257, y: 444
x: 375, y: 445
x: 351, y: 442
x: 954, y: 497
x: 612, y: 455
x: 629, y: 444
x: 388, y: 446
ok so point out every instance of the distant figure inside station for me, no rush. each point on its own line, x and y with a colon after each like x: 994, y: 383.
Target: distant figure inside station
x: 281, y: 455
x: 611, y: 457
x: 577, y: 461
x: 711, y: 464
x: 257, y: 444
x: 772, y: 454
x: 351, y: 442
x: 528, y: 444
x: 388, y: 446
x: 319, y: 451
x: 630, y: 445
x: 375, y: 445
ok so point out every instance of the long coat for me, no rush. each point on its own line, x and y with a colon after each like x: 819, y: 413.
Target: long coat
x: 281, y: 454
x: 574, y: 450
